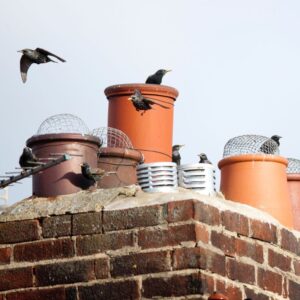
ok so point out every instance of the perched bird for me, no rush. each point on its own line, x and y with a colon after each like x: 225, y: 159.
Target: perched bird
x: 271, y: 145
x: 156, y: 78
x: 142, y: 103
x: 176, y: 158
x: 203, y: 159
x: 28, y: 159
x: 92, y: 174
x: 37, y: 56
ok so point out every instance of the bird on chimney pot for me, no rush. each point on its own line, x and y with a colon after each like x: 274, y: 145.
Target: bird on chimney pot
x: 176, y: 157
x: 156, y: 78
x: 271, y: 145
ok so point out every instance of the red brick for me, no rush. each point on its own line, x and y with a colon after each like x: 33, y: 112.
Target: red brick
x: 160, y: 237
x: 5, y: 254
x: 269, y: 281
x: 297, y: 266
x: 134, y: 217
x: 249, y: 249
x: 224, y: 242
x: 239, y: 271
x: 290, y: 242
x: 235, y: 222
x: 198, y: 257
x: 67, y: 272
x: 20, y: 231
x: 172, y: 286
x: 207, y: 214
x: 294, y: 290
x: 180, y: 211
x: 140, y: 263
x: 102, y: 268
x: 15, y: 278
x: 280, y: 261
x: 251, y: 294
x: 43, y: 294
x: 125, y: 290
x: 97, y: 243
x: 233, y: 292
x: 202, y: 233
x: 263, y: 231
x: 87, y: 223
x: 57, y: 226
x: 207, y: 284
x: 42, y: 250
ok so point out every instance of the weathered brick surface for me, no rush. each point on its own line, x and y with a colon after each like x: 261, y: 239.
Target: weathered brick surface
x: 239, y: 271
x: 127, y: 290
x: 235, y: 222
x: 160, y: 237
x: 42, y: 250
x: 15, y: 278
x: 5, y: 254
x: 231, y: 291
x: 67, y: 272
x: 224, y: 242
x: 87, y: 223
x: 269, y: 281
x: 249, y: 249
x: 176, y: 285
x: 280, y: 261
x: 263, y: 231
x: 102, y: 268
x: 290, y: 242
x: 207, y: 214
x: 294, y: 290
x: 56, y: 293
x: 140, y: 263
x: 297, y: 266
x: 180, y: 211
x: 251, y: 294
x: 20, y: 231
x: 198, y: 257
x: 133, y: 217
x: 203, y: 233
x: 97, y: 243
x: 57, y: 226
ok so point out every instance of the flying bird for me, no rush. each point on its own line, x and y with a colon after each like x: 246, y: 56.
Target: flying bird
x: 156, y: 78
x: 28, y: 159
x: 92, y: 174
x: 271, y: 145
x: 37, y: 56
x: 203, y: 159
x: 176, y: 158
x: 142, y: 103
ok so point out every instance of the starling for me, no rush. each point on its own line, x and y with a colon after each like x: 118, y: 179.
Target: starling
x: 142, y: 103
x: 271, y: 145
x: 28, y: 159
x: 176, y: 158
x: 156, y: 78
x: 92, y: 174
x: 37, y: 56
x: 203, y: 159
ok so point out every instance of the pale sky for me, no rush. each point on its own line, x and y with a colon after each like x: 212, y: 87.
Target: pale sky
x: 235, y: 63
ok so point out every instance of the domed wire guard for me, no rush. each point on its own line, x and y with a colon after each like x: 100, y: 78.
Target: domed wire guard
x: 63, y: 123
x: 250, y: 144
x: 293, y: 166
x: 112, y: 137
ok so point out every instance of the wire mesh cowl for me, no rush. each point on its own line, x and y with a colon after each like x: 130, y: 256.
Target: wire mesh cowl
x: 250, y: 144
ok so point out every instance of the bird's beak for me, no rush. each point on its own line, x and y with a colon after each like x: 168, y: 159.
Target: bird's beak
x: 130, y: 98
x: 168, y: 71
x: 181, y: 146
x: 20, y: 51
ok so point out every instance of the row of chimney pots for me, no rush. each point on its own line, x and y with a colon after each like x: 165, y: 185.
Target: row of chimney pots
x: 257, y: 179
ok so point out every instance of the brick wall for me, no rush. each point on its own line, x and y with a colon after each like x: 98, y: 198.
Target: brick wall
x: 174, y: 249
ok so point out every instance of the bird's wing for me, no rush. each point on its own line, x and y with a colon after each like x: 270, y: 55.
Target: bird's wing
x: 25, y: 63
x: 150, y: 101
x: 45, y: 52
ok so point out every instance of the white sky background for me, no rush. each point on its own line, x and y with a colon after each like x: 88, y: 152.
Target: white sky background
x: 235, y: 63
